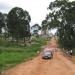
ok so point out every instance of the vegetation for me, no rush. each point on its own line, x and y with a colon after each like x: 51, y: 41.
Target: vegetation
x: 18, y: 23
x: 36, y: 28
x: 1, y: 22
x: 11, y: 55
x: 44, y: 27
x: 62, y: 18
x: 13, y: 48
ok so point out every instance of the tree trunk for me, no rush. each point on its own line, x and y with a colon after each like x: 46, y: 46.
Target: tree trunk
x: 43, y: 32
x: 5, y: 34
x: 17, y: 40
x: 24, y: 41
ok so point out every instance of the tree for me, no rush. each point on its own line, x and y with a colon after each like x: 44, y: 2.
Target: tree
x: 44, y: 27
x: 18, y: 23
x: 64, y: 20
x: 5, y: 27
x: 1, y: 22
x: 36, y: 28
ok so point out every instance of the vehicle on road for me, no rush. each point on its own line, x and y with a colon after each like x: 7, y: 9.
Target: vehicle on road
x: 47, y: 55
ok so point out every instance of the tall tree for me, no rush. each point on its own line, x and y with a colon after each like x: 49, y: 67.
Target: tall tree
x: 36, y: 28
x: 63, y: 18
x: 18, y: 23
x: 1, y: 22
x: 44, y: 27
x: 5, y: 27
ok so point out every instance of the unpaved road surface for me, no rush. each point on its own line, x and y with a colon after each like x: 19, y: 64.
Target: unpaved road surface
x: 59, y: 65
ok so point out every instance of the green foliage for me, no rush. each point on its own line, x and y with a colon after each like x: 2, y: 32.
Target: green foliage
x: 44, y: 24
x: 62, y: 17
x: 1, y: 21
x: 18, y: 23
x: 12, y: 55
x: 36, y: 28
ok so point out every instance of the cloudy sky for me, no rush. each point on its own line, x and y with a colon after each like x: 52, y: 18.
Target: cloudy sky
x: 36, y: 8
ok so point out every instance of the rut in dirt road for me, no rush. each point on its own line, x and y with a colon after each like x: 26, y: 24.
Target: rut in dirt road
x: 59, y: 65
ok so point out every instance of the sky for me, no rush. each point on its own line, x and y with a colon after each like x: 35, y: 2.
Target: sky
x: 36, y: 8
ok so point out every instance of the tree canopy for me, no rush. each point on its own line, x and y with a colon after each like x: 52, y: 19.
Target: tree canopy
x: 18, y: 23
x: 62, y: 17
x: 1, y: 22
x: 36, y: 27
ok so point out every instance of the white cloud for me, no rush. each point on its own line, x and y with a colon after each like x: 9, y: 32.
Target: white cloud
x: 36, y: 8
x: 4, y: 7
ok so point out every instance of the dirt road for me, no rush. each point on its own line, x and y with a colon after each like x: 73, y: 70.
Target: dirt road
x: 59, y: 65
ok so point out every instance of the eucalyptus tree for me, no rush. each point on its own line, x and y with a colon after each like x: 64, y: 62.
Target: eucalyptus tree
x: 18, y: 23
x: 5, y: 27
x: 36, y: 27
x: 44, y: 27
x: 62, y: 17
x: 1, y: 22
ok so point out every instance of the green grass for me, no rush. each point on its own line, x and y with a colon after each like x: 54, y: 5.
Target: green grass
x: 10, y: 55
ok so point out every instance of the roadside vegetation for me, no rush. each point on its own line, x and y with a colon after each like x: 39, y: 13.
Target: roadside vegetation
x: 16, y: 44
x: 10, y: 55
x: 62, y: 18
x: 15, y: 40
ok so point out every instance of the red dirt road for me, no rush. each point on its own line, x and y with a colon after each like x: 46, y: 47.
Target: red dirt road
x: 59, y: 65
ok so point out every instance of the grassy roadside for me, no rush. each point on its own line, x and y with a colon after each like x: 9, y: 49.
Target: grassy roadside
x: 73, y: 56
x: 12, y: 55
